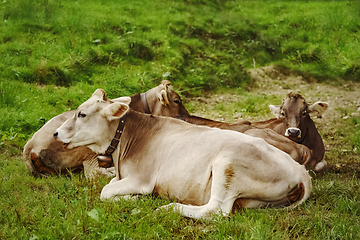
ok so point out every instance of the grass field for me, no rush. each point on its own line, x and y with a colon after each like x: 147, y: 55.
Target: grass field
x: 54, y: 54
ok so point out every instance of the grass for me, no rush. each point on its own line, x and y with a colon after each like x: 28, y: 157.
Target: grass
x: 55, y: 54
x: 72, y: 48
x: 69, y: 208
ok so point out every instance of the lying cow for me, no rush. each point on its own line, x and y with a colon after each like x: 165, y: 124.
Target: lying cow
x: 293, y: 121
x: 43, y: 155
x: 206, y: 170
x: 298, y: 152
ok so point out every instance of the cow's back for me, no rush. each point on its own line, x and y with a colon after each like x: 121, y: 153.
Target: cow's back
x: 276, y: 124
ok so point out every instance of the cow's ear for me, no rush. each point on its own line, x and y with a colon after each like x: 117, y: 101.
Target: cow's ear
x: 317, y: 109
x: 125, y: 100
x: 163, y: 98
x: 100, y: 93
x: 275, y: 109
x: 115, y: 110
x: 166, y: 83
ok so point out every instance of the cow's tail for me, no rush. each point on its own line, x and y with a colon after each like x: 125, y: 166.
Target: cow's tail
x: 34, y: 164
x: 305, y: 186
x: 298, y: 194
x: 27, y: 155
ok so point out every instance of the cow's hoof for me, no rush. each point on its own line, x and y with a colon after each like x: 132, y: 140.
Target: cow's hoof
x: 321, y: 166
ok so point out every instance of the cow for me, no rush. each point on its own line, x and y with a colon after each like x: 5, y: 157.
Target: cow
x: 43, y: 155
x: 293, y: 121
x: 205, y: 170
x: 298, y: 152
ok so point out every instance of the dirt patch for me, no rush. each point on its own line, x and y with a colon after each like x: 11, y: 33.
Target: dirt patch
x: 348, y: 168
x: 343, y: 96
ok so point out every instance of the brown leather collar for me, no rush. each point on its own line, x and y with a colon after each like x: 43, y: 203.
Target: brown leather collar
x: 106, y: 160
x: 145, y: 103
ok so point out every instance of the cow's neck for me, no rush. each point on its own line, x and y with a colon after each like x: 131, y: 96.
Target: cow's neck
x: 305, y: 131
x: 106, y: 160
x: 135, y: 103
x: 303, y: 137
x: 139, y: 103
x: 137, y: 128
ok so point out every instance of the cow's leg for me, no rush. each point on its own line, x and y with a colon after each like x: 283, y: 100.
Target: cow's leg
x: 114, y: 179
x: 125, y: 186
x: 221, y: 199
x: 92, y: 169
x: 214, y: 206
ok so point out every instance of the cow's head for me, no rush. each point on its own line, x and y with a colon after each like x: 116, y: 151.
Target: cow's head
x: 93, y: 123
x: 295, y: 112
x: 164, y: 101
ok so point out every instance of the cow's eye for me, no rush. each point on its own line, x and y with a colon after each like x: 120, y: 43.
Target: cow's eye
x: 177, y: 101
x: 283, y: 113
x: 81, y: 115
x: 304, y: 113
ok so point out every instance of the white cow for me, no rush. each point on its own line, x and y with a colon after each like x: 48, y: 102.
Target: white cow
x: 204, y: 169
x: 43, y: 155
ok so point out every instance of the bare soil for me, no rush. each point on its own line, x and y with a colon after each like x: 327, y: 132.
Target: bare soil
x: 280, y: 81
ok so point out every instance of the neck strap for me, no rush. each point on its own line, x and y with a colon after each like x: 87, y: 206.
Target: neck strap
x: 106, y: 160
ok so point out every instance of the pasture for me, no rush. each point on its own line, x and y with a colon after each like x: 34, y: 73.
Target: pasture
x: 54, y: 55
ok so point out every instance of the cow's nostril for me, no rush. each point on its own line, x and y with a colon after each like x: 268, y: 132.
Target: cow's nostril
x: 56, y: 135
x: 293, y: 132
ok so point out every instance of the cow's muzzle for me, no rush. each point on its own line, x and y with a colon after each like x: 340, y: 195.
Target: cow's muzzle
x: 56, y: 136
x: 293, y: 133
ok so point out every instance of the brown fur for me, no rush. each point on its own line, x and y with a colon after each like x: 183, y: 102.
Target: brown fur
x: 298, y: 152
x: 229, y: 175
x: 310, y: 136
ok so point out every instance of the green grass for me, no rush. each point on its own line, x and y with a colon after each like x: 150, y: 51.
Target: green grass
x: 128, y: 47
x: 69, y: 207
x: 54, y: 54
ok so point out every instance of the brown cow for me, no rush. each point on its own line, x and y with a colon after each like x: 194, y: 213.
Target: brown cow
x: 293, y: 121
x: 204, y: 169
x: 298, y: 152
x: 43, y: 155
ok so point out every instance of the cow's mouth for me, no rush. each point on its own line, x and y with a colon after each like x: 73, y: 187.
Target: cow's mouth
x: 292, y: 138
x: 66, y: 145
